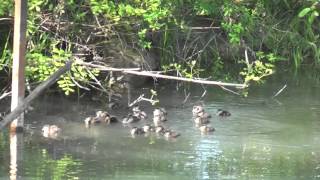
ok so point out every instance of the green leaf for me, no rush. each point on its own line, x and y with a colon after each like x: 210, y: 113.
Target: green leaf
x: 304, y: 12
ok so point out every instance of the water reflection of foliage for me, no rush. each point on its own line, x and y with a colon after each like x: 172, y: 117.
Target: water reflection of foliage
x: 43, y: 166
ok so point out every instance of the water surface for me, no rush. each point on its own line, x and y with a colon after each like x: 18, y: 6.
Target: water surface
x: 264, y: 138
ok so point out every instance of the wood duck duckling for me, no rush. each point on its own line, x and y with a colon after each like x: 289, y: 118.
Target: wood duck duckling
x: 206, y: 129
x: 136, y: 131
x: 161, y: 113
x: 91, y: 120
x: 169, y: 134
x: 148, y: 128
x: 103, y: 116
x: 50, y: 131
x: 159, y: 129
x: 223, y: 113
x: 139, y: 113
x: 130, y: 118
x: 199, y: 120
x: 157, y: 121
x: 197, y: 109
x: 204, y: 115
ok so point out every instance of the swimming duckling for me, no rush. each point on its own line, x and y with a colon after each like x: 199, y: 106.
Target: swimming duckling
x: 196, y: 110
x: 139, y: 113
x: 136, y: 131
x: 102, y: 116
x: 159, y: 129
x: 170, y: 134
x: 206, y: 129
x: 50, y: 131
x: 130, y: 118
x: 203, y: 114
x: 91, y: 120
x: 113, y: 119
x: 148, y: 128
x: 199, y: 120
x: 223, y: 113
x: 161, y: 113
x: 157, y: 121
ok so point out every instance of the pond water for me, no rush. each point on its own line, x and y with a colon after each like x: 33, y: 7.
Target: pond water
x: 264, y: 138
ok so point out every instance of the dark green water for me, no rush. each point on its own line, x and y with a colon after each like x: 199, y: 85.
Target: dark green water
x: 263, y: 139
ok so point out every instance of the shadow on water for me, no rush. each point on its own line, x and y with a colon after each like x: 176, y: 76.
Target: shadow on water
x: 264, y: 138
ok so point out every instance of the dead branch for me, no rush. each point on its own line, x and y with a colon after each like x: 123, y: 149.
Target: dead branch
x: 135, y: 71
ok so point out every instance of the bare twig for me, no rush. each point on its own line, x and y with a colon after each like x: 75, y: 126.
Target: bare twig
x: 229, y: 90
x: 5, y: 94
x: 156, y: 75
x: 219, y: 83
x: 280, y: 91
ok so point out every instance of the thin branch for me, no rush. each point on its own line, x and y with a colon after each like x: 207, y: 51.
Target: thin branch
x: 155, y: 75
x: 219, y: 83
x: 280, y: 91
x: 5, y: 94
x: 229, y: 90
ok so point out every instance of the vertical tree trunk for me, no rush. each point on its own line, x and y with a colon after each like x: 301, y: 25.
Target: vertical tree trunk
x: 18, y: 66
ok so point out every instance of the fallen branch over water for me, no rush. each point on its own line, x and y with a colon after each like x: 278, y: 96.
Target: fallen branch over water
x: 35, y: 93
x: 138, y: 72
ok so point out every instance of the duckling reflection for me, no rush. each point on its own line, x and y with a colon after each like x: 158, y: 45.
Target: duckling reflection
x: 50, y: 131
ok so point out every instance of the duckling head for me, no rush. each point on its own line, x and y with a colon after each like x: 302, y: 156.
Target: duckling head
x: 197, y: 109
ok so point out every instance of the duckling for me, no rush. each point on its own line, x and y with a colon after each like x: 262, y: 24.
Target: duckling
x: 50, y: 131
x: 223, y: 113
x: 196, y: 110
x: 159, y: 129
x: 204, y: 115
x: 113, y: 119
x: 130, y: 118
x: 148, y: 128
x: 139, y: 113
x: 161, y: 113
x: 157, y: 121
x: 206, y: 129
x: 199, y: 120
x: 170, y: 134
x: 91, y: 120
x: 103, y: 116
x: 136, y: 131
